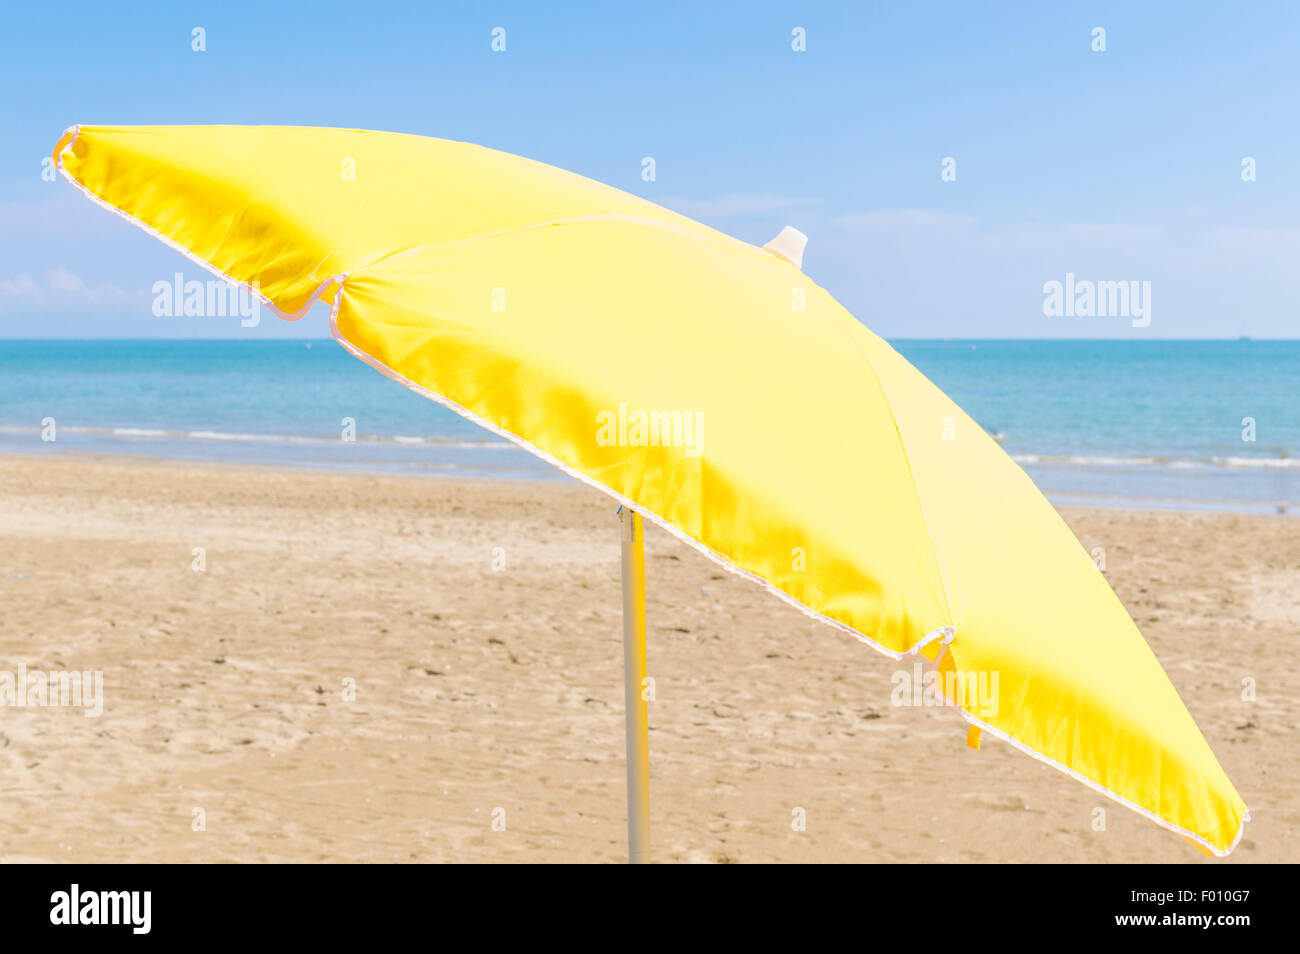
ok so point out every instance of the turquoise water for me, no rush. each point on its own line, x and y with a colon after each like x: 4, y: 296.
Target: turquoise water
x: 1155, y: 423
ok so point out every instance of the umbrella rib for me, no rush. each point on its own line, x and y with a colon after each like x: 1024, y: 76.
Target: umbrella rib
x: 916, y: 492
x: 649, y: 221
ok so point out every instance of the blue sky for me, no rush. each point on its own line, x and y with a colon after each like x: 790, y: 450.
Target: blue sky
x: 1116, y: 165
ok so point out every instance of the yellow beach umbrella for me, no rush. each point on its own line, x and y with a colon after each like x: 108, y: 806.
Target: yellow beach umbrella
x: 707, y: 385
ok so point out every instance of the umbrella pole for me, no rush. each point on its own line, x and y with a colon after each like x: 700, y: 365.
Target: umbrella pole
x: 638, y: 742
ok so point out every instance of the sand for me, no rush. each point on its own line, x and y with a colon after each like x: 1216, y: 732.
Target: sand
x: 479, y: 623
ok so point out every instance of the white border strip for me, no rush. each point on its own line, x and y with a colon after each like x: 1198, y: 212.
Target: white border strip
x: 709, y: 552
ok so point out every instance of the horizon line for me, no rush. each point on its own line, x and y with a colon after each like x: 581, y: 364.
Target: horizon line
x: 327, y: 338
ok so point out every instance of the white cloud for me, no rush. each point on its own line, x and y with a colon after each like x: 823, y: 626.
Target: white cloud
x: 904, y: 219
x: 918, y: 271
x: 20, y: 287
x: 60, y: 288
x: 737, y: 206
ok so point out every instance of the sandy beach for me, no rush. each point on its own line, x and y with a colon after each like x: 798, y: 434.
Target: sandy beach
x: 385, y: 668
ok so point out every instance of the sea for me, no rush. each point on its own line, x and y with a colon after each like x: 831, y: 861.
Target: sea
x: 1191, y: 425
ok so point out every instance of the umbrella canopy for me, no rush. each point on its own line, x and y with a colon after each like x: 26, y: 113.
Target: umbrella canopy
x: 710, y: 386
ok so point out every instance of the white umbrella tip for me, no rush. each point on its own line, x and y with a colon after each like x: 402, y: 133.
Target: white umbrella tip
x: 789, y: 245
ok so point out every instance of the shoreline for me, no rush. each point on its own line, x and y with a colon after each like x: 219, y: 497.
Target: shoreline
x: 479, y: 624
x: 1197, y: 425
x: 1064, y: 483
